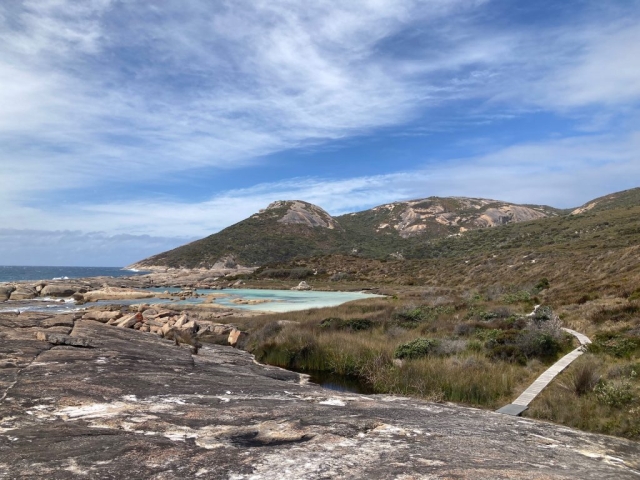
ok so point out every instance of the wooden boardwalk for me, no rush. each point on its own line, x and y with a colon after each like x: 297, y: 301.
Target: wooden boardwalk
x: 521, y: 403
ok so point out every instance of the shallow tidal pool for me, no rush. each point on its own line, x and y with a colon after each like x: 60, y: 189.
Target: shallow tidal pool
x: 271, y: 300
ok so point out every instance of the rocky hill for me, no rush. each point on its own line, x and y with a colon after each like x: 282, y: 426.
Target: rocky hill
x: 624, y: 199
x: 287, y: 230
x: 437, y: 216
x: 283, y: 230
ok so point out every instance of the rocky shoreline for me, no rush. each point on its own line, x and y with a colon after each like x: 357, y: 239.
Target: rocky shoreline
x: 81, y: 398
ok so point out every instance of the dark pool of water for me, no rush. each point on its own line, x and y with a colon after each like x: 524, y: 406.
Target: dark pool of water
x: 339, y: 383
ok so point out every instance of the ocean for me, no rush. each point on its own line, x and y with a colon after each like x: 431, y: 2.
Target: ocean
x: 17, y: 273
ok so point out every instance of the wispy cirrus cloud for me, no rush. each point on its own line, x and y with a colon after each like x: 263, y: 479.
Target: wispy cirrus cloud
x: 103, y: 99
x: 562, y: 173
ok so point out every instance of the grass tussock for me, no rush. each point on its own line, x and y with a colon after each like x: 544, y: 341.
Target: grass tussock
x: 436, y: 350
x: 594, y: 394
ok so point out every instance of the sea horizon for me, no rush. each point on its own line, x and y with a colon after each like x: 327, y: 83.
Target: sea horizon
x: 19, y: 273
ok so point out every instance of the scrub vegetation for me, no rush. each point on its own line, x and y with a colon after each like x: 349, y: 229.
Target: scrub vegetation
x: 455, y: 325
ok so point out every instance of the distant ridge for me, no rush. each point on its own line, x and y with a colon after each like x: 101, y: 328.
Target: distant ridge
x: 289, y: 229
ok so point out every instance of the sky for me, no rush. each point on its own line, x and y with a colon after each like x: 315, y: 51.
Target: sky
x: 129, y: 128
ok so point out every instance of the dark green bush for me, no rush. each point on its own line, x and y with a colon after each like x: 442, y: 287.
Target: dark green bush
x: 521, y: 296
x: 409, y: 316
x: 354, y: 324
x: 543, y: 313
x: 508, y: 353
x: 300, y: 273
x: 538, y: 344
x: 541, y: 285
x: 420, y: 347
x: 614, y: 344
x: 275, y: 273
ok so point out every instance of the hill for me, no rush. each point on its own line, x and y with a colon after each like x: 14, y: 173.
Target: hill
x: 624, y: 199
x: 286, y: 230
x: 596, y: 252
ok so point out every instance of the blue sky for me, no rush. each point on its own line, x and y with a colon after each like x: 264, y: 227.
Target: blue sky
x: 127, y: 128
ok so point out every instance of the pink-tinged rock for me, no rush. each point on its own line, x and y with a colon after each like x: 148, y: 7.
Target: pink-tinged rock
x: 103, y: 317
x: 127, y: 321
x: 235, y: 336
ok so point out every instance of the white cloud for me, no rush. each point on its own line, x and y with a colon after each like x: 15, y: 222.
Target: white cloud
x: 562, y: 173
x: 598, y: 66
x: 136, y: 91
x: 76, y: 248
x: 101, y: 93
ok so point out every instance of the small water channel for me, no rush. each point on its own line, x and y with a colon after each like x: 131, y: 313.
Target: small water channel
x: 339, y: 383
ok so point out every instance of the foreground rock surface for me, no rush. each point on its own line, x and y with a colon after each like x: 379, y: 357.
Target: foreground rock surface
x: 137, y: 406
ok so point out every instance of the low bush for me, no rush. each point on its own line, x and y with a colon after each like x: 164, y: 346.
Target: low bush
x: 336, y: 277
x: 409, y: 316
x: 300, y: 273
x: 614, y: 394
x: 615, y: 344
x: 508, y: 353
x: 353, y: 324
x: 543, y: 284
x: 275, y: 273
x: 618, y: 313
x: 420, y: 347
x: 517, y: 297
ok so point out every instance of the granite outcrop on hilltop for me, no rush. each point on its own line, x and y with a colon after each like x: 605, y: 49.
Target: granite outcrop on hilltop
x: 289, y: 229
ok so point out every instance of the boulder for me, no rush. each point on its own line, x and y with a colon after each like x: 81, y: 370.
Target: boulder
x: 59, y: 339
x: 127, y: 321
x: 114, y: 293
x: 101, y: 316
x: 23, y: 292
x: 182, y: 320
x: 5, y: 292
x: 302, y: 286
x: 215, y: 333
x: 165, y: 329
x: 59, y: 290
x: 235, y: 336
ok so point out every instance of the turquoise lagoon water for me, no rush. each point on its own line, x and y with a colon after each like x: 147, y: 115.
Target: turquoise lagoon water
x: 279, y: 300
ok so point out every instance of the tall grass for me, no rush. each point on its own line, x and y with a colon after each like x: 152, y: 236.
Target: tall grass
x: 457, y: 370
x: 595, y: 394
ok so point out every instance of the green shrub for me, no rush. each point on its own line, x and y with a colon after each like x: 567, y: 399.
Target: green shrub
x: 300, y: 273
x: 614, y: 394
x: 538, y: 344
x: 354, y: 324
x: 420, y: 347
x: 275, y: 273
x: 508, y: 353
x: 614, y: 344
x: 521, y: 296
x: 543, y: 313
x: 543, y: 284
x: 336, y: 277
x: 409, y: 316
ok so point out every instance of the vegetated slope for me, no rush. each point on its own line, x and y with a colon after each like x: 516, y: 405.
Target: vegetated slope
x: 597, y: 252
x: 282, y: 231
x: 437, y: 216
x: 623, y: 199
x: 293, y: 229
